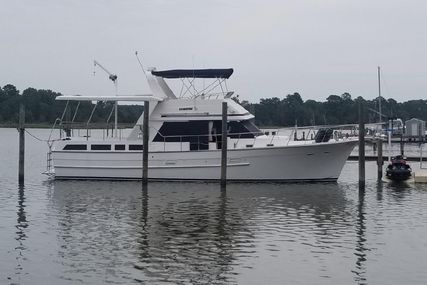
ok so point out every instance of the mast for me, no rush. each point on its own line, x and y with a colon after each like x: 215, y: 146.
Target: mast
x: 390, y: 121
x: 379, y: 94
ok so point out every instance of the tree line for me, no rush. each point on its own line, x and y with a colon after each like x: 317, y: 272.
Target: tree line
x: 336, y: 110
x: 42, y: 108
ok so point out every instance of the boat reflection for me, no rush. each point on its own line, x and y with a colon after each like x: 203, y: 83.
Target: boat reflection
x: 192, y: 232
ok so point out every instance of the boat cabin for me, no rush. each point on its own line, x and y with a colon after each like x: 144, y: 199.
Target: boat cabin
x: 190, y: 120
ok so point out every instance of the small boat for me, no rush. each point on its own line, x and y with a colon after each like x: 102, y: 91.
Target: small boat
x: 398, y: 169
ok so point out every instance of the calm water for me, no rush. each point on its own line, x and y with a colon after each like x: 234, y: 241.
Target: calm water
x: 82, y: 232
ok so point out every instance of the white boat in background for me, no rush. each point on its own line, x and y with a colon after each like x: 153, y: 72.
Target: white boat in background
x: 185, y: 140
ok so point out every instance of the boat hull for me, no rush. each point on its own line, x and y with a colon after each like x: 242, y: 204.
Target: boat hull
x: 308, y: 162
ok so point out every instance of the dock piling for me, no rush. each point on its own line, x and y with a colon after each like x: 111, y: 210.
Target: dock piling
x: 145, y: 136
x: 21, y: 143
x: 224, y: 145
x: 380, y: 161
x: 361, y: 148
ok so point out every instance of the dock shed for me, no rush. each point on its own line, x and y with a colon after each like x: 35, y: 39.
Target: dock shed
x: 415, y: 128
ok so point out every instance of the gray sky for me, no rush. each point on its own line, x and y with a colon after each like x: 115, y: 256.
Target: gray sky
x: 314, y: 47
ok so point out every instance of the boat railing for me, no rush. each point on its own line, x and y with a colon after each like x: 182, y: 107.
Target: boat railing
x: 308, y: 133
x: 68, y: 127
x: 78, y: 129
x: 202, y: 141
x: 216, y: 95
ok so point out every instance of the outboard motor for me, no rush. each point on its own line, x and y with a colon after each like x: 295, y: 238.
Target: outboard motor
x: 323, y: 135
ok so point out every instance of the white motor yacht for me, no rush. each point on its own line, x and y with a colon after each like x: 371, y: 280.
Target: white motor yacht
x: 185, y: 140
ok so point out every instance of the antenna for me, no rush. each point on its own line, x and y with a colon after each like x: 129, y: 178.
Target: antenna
x: 140, y: 63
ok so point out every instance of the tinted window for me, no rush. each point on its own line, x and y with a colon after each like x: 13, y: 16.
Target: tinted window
x: 238, y: 129
x: 100, y: 147
x: 194, y: 132
x: 135, y: 147
x: 75, y: 147
x: 119, y: 147
x: 178, y: 129
x: 243, y: 129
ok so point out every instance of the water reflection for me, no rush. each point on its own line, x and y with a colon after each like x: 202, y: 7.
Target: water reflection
x: 380, y: 186
x: 195, y: 233
x: 190, y: 239
x: 361, y: 247
x: 21, y: 228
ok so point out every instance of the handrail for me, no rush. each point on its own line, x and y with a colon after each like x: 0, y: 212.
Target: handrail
x: 205, y: 135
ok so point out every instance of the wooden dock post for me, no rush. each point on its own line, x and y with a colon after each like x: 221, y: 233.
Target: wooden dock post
x: 145, y: 135
x: 380, y: 161
x: 224, y: 145
x: 361, y: 148
x: 21, y: 143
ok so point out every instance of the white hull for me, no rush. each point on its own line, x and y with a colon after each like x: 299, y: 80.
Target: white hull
x: 308, y: 162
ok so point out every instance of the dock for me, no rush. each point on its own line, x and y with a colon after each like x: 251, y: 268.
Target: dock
x: 420, y: 176
x: 375, y: 157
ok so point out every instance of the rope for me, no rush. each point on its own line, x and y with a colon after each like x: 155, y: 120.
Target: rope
x: 39, y: 139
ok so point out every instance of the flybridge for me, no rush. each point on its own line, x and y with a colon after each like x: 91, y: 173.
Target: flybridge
x: 216, y: 88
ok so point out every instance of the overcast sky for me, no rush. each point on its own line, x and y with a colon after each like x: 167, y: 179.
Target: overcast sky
x: 314, y: 47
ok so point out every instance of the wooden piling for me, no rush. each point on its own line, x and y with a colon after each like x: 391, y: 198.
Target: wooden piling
x: 380, y: 159
x: 361, y: 148
x: 21, y: 143
x: 224, y: 145
x: 145, y: 136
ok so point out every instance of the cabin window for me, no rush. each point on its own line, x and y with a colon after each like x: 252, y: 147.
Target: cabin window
x: 75, y: 147
x: 194, y: 132
x: 119, y: 147
x: 100, y: 147
x: 243, y: 129
x: 238, y: 129
x: 135, y: 147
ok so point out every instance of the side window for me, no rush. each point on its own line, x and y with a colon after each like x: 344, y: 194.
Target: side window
x: 135, y: 147
x: 75, y: 147
x: 100, y: 147
x: 119, y: 147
